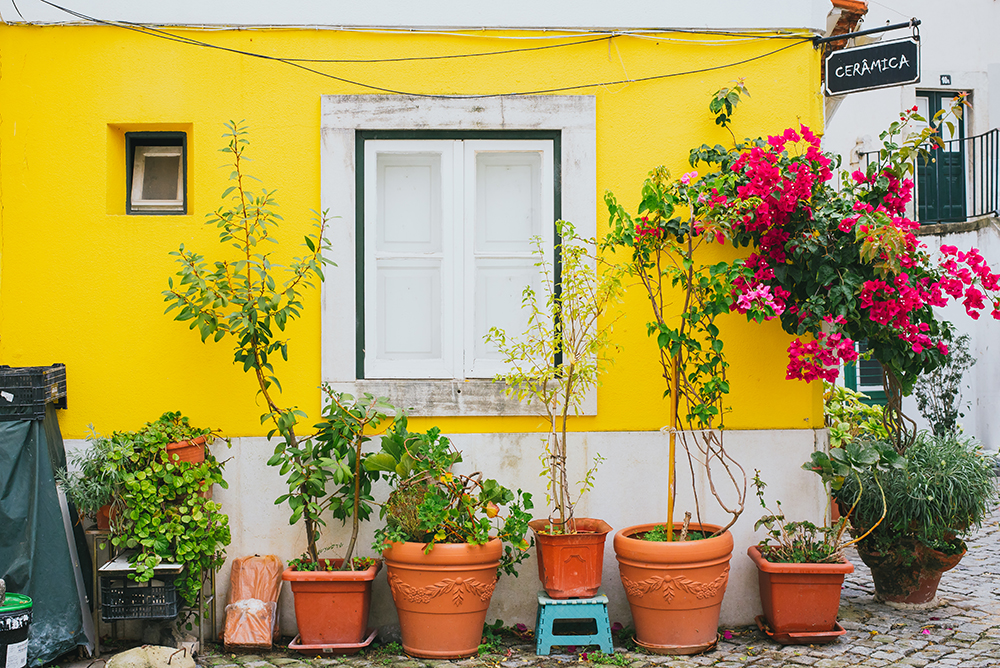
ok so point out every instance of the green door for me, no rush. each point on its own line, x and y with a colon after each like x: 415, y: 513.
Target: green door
x: 941, y: 181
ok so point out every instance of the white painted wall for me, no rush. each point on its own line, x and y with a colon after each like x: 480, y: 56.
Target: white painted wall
x: 579, y: 14
x: 958, y: 39
x: 630, y: 489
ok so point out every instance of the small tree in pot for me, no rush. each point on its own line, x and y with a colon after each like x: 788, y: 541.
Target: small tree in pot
x: 566, y: 322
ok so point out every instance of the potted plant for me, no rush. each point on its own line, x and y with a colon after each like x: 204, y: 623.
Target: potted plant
x: 800, y: 575
x: 945, y: 487
x: 445, y: 541
x: 332, y: 597
x: 675, y: 573
x: 250, y: 298
x: 95, y: 484
x: 566, y: 324
x: 166, y: 513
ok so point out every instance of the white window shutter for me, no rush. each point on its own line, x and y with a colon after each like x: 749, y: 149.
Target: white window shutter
x: 409, y: 259
x: 508, y: 201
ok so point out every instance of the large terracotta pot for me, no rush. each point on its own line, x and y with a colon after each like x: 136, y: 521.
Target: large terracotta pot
x: 331, y: 607
x: 442, y: 596
x: 674, y: 589
x: 908, y: 575
x: 571, y: 565
x: 799, y: 598
x: 187, y: 451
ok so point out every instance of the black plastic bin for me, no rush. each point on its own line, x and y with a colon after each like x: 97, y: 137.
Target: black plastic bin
x: 25, y: 390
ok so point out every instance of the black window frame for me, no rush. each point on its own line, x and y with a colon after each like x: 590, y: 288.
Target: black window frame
x: 135, y: 139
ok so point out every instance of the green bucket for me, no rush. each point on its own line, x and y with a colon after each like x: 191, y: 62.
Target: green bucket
x: 15, y: 618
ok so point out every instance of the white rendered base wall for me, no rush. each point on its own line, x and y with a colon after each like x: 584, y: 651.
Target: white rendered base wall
x: 631, y: 488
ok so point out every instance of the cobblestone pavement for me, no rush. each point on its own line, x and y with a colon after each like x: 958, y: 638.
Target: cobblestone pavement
x: 963, y: 632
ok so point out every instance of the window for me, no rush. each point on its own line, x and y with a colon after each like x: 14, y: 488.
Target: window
x: 563, y: 129
x: 156, y: 170
x: 865, y: 376
x: 447, y: 249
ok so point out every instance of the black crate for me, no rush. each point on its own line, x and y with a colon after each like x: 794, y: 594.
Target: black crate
x: 124, y: 598
x: 25, y: 390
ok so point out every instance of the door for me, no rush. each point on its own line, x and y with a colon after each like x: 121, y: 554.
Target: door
x: 941, y: 181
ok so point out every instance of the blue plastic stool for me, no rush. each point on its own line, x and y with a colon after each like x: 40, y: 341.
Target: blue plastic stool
x: 551, y: 610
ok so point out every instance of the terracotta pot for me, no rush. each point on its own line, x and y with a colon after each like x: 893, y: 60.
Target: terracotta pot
x: 571, y: 565
x: 442, y: 596
x: 908, y: 576
x: 187, y: 451
x: 674, y: 589
x: 331, y: 607
x: 103, y: 518
x: 799, y: 598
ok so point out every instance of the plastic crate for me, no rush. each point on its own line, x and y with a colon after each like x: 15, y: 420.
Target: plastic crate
x: 124, y: 598
x: 24, y: 391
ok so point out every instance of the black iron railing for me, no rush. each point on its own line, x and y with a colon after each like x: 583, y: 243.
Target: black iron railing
x: 961, y: 181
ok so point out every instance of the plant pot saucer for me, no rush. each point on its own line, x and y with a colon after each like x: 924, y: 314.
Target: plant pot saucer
x: 806, y: 638
x: 677, y: 650
x: 339, y: 649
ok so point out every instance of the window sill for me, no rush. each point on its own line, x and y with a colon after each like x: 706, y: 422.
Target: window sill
x: 447, y: 398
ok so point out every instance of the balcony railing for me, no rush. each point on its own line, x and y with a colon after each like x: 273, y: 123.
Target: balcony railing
x: 960, y: 182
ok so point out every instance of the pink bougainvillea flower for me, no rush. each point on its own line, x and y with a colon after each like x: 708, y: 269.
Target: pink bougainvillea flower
x: 727, y: 634
x: 687, y: 178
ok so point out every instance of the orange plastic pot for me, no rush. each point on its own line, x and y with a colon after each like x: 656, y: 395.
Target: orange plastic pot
x: 799, y: 598
x: 331, y: 607
x: 442, y: 596
x: 571, y: 565
x: 187, y: 451
x: 674, y: 589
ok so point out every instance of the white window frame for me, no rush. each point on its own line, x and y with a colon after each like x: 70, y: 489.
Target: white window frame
x: 342, y: 116
x: 140, y: 205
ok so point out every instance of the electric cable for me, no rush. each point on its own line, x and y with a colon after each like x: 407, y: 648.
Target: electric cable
x: 297, y: 63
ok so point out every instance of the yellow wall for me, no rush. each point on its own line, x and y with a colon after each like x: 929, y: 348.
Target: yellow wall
x: 80, y: 282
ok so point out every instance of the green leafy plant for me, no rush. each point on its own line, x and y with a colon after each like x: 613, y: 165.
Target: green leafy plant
x: 431, y: 504
x: 848, y: 417
x: 943, y: 489
x: 797, y: 542
x: 168, y: 515
x: 939, y: 392
x: 565, y: 320
x: 333, y: 455
x: 613, y: 659
x: 492, y: 638
x: 724, y: 102
x: 99, y: 474
x: 247, y: 294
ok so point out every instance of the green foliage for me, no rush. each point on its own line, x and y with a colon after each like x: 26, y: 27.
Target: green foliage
x: 565, y: 319
x: 492, y: 638
x: 939, y: 392
x: 659, y: 534
x: 851, y: 460
x: 797, y: 542
x: 724, y: 102
x: 849, y: 418
x: 249, y: 297
x: 944, y: 488
x: 333, y: 456
x: 167, y: 515
x: 99, y: 475
x: 432, y: 504
x: 303, y: 563
x: 613, y: 659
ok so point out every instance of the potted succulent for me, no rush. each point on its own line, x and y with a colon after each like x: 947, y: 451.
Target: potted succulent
x: 945, y: 487
x: 332, y: 596
x: 445, y: 541
x: 566, y: 324
x: 675, y: 573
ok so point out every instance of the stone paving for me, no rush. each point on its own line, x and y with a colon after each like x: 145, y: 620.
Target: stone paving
x: 962, y: 632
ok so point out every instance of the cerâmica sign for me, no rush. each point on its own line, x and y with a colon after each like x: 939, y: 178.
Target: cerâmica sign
x: 874, y: 66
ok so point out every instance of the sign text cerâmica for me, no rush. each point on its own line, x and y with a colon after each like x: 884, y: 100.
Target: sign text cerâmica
x: 874, y: 66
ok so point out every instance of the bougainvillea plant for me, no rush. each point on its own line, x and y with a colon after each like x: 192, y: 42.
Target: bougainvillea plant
x: 844, y: 266
x: 836, y: 266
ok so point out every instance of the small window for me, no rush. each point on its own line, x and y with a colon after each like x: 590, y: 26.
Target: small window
x: 157, y: 171
x: 865, y: 376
